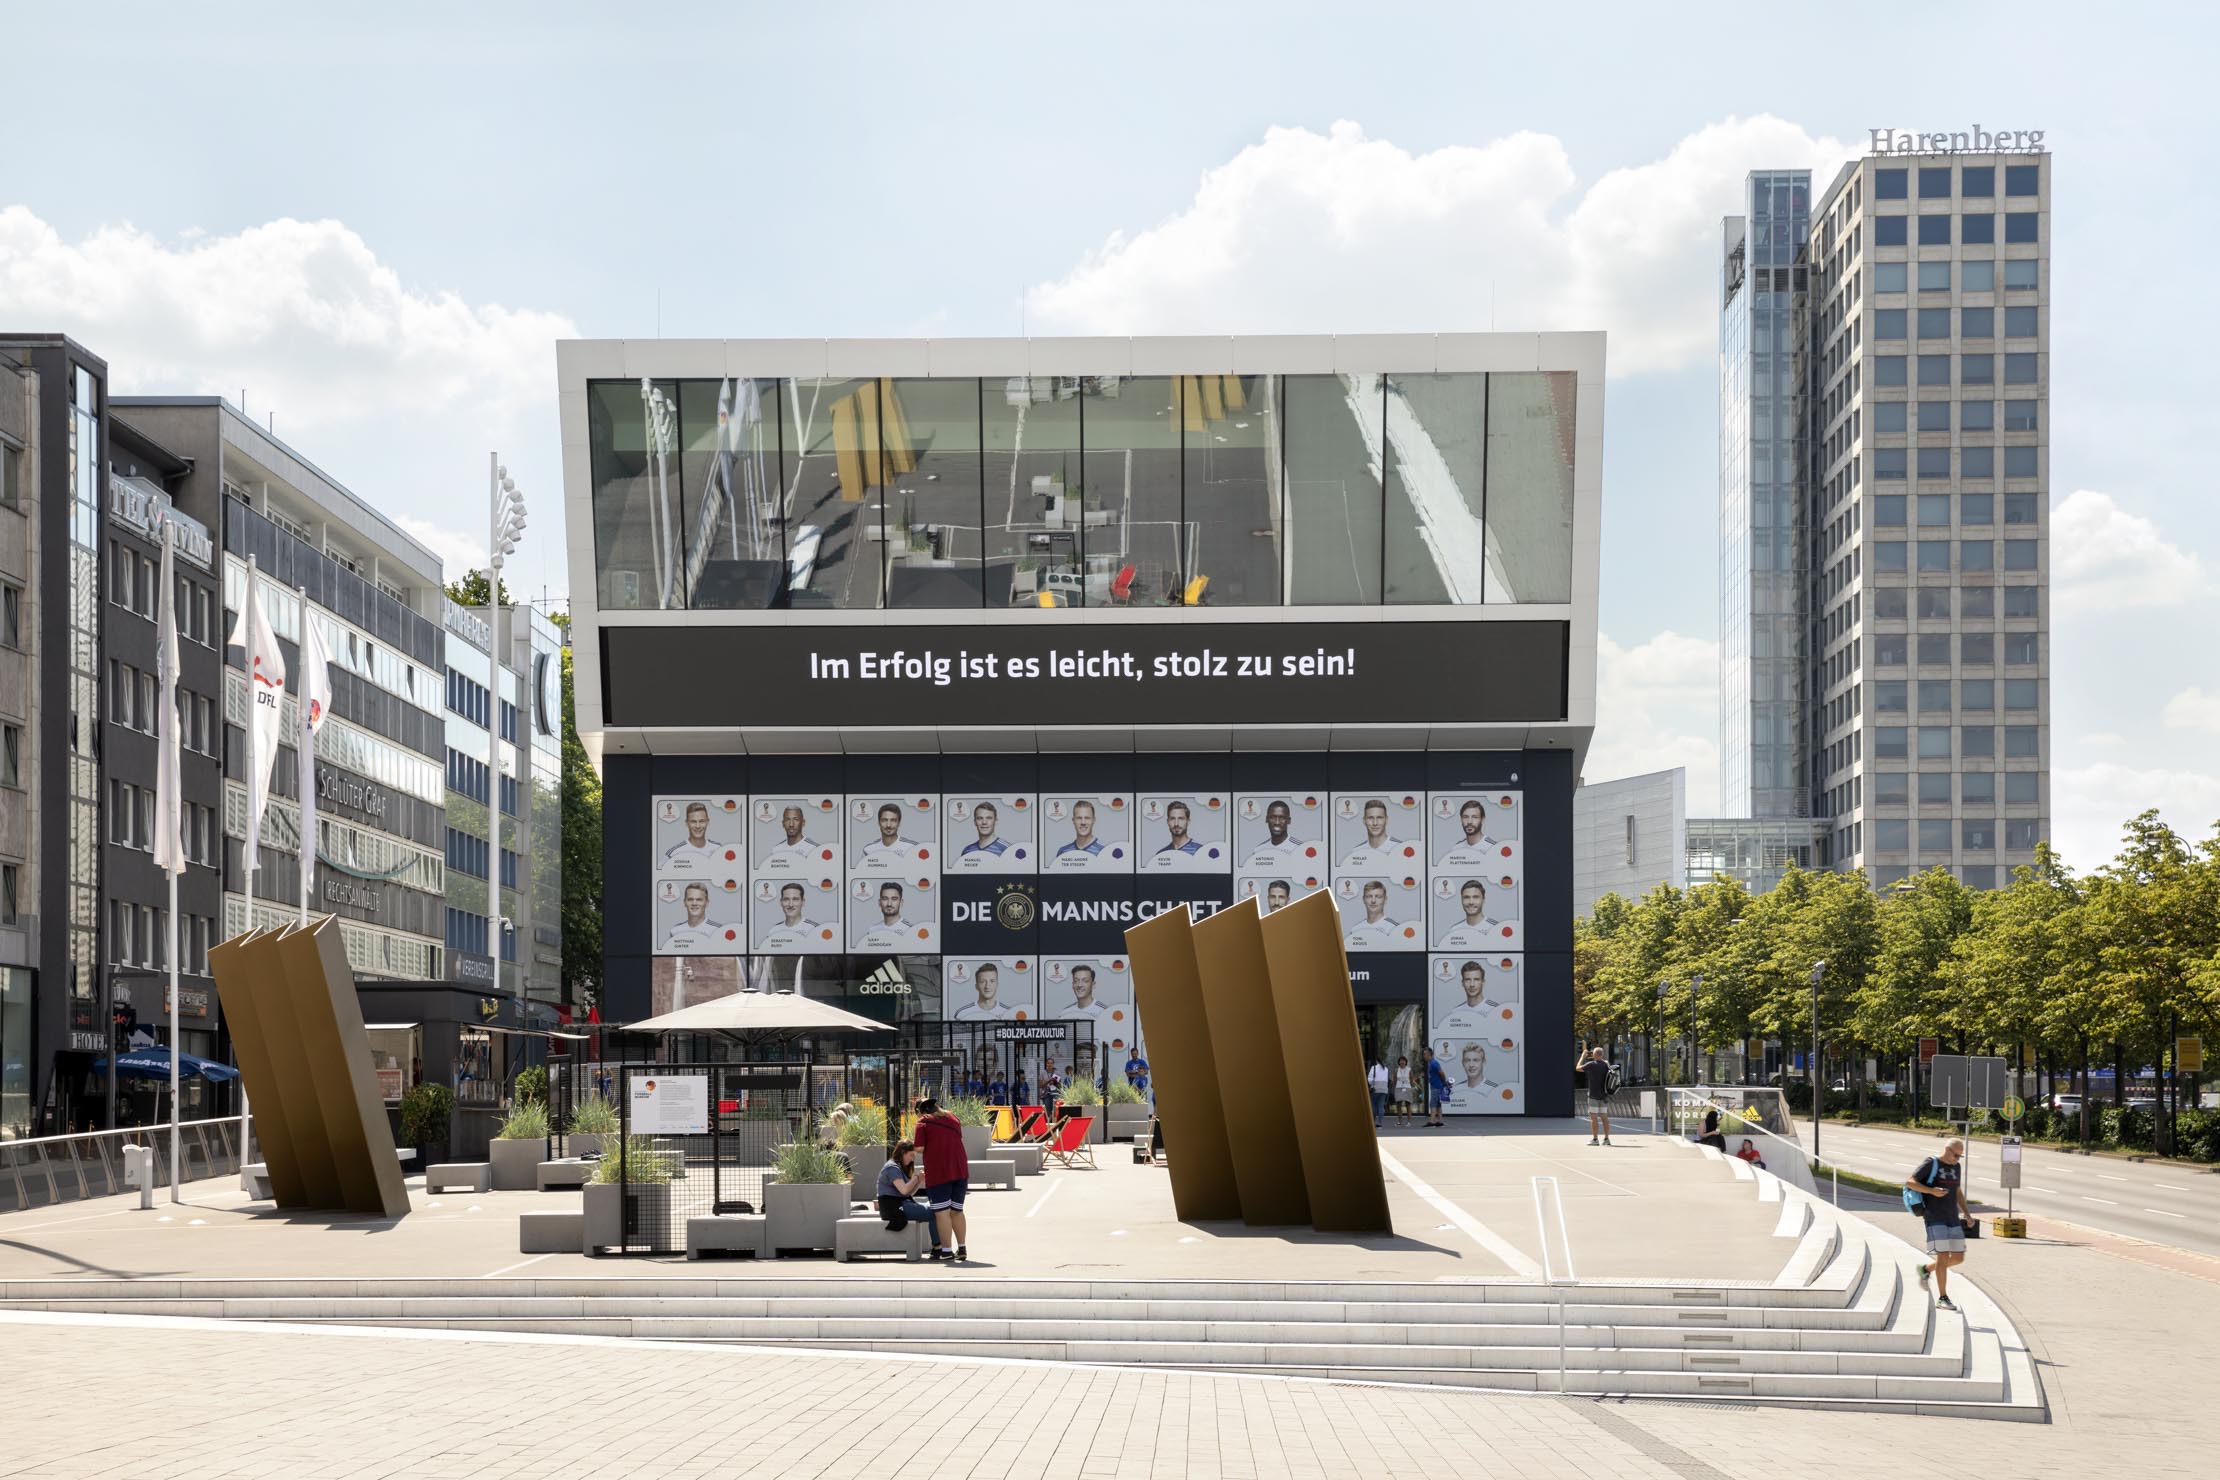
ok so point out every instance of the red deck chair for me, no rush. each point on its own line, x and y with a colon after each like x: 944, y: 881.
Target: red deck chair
x: 1032, y: 1123
x: 1069, y: 1147
x: 1121, y: 587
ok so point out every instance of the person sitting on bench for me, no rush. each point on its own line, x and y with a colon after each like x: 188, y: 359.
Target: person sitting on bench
x: 899, y: 1181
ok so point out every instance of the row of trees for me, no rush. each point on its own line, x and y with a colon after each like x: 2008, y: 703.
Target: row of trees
x: 2103, y: 968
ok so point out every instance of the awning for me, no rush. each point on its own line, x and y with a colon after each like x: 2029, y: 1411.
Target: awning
x: 389, y: 1027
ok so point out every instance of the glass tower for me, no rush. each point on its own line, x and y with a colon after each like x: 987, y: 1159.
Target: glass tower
x: 1761, y: 576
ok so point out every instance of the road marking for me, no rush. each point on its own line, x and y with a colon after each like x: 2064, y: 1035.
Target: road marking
x: 2108, y: 1177
x: 1473, y: 1228
x: 513, y: 1268
x: 2165, y: 1214
x: 2031, y: 1187
x: 2168, y: 1187
x: 2108, y: 1202
x: 1054, y: 1183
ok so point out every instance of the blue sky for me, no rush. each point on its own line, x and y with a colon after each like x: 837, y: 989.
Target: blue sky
x: 377, y: 225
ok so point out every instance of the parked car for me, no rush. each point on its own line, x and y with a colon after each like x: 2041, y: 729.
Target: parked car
x: 2066, y: 1104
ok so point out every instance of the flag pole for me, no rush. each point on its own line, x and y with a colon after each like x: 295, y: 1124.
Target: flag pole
x: 167, y: 806
x: 247, y: 604
x: 304, y: 741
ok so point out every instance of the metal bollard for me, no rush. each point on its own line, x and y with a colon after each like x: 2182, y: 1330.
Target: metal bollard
x: 138, y: 1171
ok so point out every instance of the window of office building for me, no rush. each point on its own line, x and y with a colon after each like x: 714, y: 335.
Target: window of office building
x: 1977, y: 788
x: 1977, y: 277
x: 1889, y: 650
x: 1934, y: 555
x: 2022, y: 647
x: 1889, y: 277
x: 1977, y: 179
x: 1934, y: 788
x: 832, y: 453
x: 1975, y: 508
x: 1934, y: 508
x: 1529, y: 485
x: 1976, y: 649
x: 2022, y: 788
x: 1332, y: 495
x: 935, y: 497
x: 1934, y: 462
x: 2022, y: 274
x: 2019, y: 554
x: 2019, y: 369
x: 1888, y: 510
x: 1977, y: 695
x: 1934, y: 231
x: 1131, y: 464
x: 635, y: 493
x: 2020, y: 693
x: 2019, y: 227
x: 1977, y: 416
x: 1977, y: 323
x: 1977, y: 834
x: 1934, y: 698
x: 1934, y: 369
x: 1978, y: 230
x: 1976, y: 555
x: 1888, y: 370
x: 1934, y: 603
x: 1230, y: 538
x: 1934, y: 833
x: 1891, y: 184
x: 2021, y: 833
x: 2023, y: 179
x: 1889, y: 463
x: 1934, y: 277
x: 1891, y: 788
x: 2022, y: 601
x: 1888, y: 323
x: 1934, y: 182
x: 1888, y: 555
x: 1934, y: 647
x: 1977, y: 741
x: 1977, y: 369
x: 1889, y: 231
x: 2022, y: 508
x: 1892, y: 835
x: 1889, y: 417
x: 1976, y: 464
x: 1891, y: 742
x: 1890, y: 696
x: 1934, y: 416
x: 2020, y: 321
x: 1889, y: 604
x: 1436, y: 465
x: 728, y: 534
x: 2020, y: 416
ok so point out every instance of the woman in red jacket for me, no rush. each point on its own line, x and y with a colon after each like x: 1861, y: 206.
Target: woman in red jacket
x: 940, y: 1141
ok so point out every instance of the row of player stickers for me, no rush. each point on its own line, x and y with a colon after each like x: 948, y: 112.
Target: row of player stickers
x: 1476, y: 1025
x: 1016, y: 989
x: 1312, y: 836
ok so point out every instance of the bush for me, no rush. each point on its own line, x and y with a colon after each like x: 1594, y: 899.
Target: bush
x: 865, y: 1126
x: 1123, y: 1093
x: 426, y: 1112
x: 531, y: 1084
x: 527, y: 1121
x: 1082, y: 1092
x: 636, y: 1162
x: 594, y: 1116
x: 806, y: 1161
x: 969, y: 1111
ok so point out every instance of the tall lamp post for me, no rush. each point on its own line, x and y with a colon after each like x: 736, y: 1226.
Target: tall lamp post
x: 1695, y: 1033
x: 505, y: 524
x: 1818, y: 970
x: 1657, y: 1056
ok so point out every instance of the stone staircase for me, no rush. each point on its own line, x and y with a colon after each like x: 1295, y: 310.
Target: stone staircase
x: 1845, y: 1324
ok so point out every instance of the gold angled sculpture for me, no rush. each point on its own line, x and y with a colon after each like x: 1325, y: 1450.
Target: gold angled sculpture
x: 289, y: 997
x: 1252, y: 1037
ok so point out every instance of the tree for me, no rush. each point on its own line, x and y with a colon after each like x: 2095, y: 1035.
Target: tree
x: 582, y: 880
x: 471, y: 591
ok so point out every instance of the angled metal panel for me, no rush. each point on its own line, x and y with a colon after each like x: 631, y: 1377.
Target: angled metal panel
x: 1252, y: 1074
x: 243, y: 969
x: 336, y: 1049
x: 1317, y: 1017
x: 1167, y: 988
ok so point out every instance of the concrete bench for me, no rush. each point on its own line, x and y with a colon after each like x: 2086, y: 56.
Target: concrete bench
x: 568, y: 1172
x: 728, y: 1233
x: 552, y: 1232
x: 459, y: 1176
x: 255, y: 1178
x: 1026, y: 1154
x: 993, y: 1174
x: 853, y: 1236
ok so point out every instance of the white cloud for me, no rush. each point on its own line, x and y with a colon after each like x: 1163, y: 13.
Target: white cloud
x: 2193, y: 709
x: 1337, y: 232
x: 1656, y: 707
x: 2091, y: 804
x: 2104, y: 558
x: 458, y: 552
x: 396, y: 390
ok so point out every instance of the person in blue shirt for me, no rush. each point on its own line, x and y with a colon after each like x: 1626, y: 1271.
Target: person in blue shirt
x: 1137, y: 1071
x: 975, y: 1086
x: 1021, y: 1092
x: 998, y: 1091
x: 1437, y: 1087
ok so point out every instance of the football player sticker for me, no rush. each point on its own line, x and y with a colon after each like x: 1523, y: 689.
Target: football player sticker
x: 697, y: 836
x: 1475, y: 996
x: 894, y: 915
x: 1185, y: 835
x: 1001, y: 989
x: 1276, y: 891
x: 893, y: 836
x: 1474, y: 830
x: 1098, y: 988
x: 1092, y: 835
x: 794, y: 836
x: 1475, y: 912
x: 693, y: 918
x: 1381, y: 913
x: 795, y: 917
x: 1485, y: 1074
x: 990, y: 835
x: 1378, y: 832
x: 1280, y: 832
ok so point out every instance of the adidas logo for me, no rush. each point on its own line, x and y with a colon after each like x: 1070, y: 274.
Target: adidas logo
x: 886, y: 980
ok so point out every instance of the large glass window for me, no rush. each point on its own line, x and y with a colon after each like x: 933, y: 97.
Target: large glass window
x: 2022, y: 789
x: 1888, y: 277
x: 2021, y: 508
x: 1888, y: 510
x: 1129, y: 498
x: 2020, y: 693
x: 1976, y: 462
x: 1977, y: 323
x: 1230, y: 539
x: 935, y: 516
x: 1977, y: 369
x: 1977, y: 740
x: 2023, y: 179
x: 1934, y: 462
x: 2020, y: 321
x: 1934, y: 369
x: 1934, y: 508
x: 1436, y: 460
x: 1977, y: 277
x: 1891, y: 789
x: 2019, y: 462
x: 1892, y: 835
x: 1977, y: 416
x: 1975, y: 601
x: 1977, y: 231
x: 2023, y: 832
x: 1934, y: 555
x: 1934, y: 698
x: 1530, y: 486
x: 1934, y: 277
x: 638, y: 547
x: 1934, y: 323
x: 1890, y: 184
x: 1030, y: 456
x: 1888, y: 370
x: 2019, y: 227
x: 1888, y: 231
x: 1977, y: 555
x: 1934, y: 231
x: 1888, y: 323
x: 1332, y: 492
x: 835, y: 473
x: 1934, y: 182
x: 1934, y: 832
x: 1977, y: 788
x: 1976, y: 508
x: 2022, y: 601
x: 1977, y: 695
x: 1977, y: 834
x: 1890, y: 696
x: 1934, y: 648
x: 2019, y: 369
x: 1888, y: 417
x: 1891, y: 742
x: 2022, y: 742
x: 1888, y: 555
x: 1977, y: 179
x: 729, y: 492
x: 2022, y: 274
x: 1889, y: 462
x: 1976, y: 649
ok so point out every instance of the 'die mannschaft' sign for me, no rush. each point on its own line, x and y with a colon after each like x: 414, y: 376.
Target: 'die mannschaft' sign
x: 1958, y: 141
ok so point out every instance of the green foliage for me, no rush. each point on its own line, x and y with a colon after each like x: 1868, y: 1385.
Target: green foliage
x: 531, y: 1084
x: 1082, y: 1092
x: 426, y: 1112
x: 864, y: 1126
x: 1122, y: 1093
x: 594, y: 1116
x: 969, y: 1111
x: 527, y: 1121
x: 635, y: 1161
x: 807, y: 1161
x: 582, y: 885
x: 471, y: 590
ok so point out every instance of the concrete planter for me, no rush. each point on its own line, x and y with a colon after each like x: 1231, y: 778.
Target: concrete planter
x: 1127, y: 1121
x: 583, y: 1143
x: 863, y: 1164
x: 977, y: 1138
x: 801, y: 1215
x: 604, y: 1204
x: 516, y: 1163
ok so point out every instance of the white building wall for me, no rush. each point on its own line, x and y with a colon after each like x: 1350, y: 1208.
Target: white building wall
x: 1629, y: 835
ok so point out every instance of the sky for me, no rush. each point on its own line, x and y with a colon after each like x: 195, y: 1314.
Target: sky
x: 375, y: 224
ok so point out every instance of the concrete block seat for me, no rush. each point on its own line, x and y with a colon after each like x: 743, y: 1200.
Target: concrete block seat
x: 459, y: 1176
x: 568, y: 1172
x: 255, y: 1178
x: 993, y: 1174
x: 728, y: 1233
x: 853, y: 1236
x: 1027, y: 1156
x: 552, y: 1232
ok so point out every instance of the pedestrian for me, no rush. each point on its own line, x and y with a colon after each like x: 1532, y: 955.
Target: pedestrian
x: 1437, y: 1087
x: 1711, y: 1136
x: 1939, y: 1183
x: 1137, y: 1070
x: 940, y: 1138
x: 899, y: 1181
x: 1020, y: 1091
x: 1402, y: 1090
x: 1596, y: 1069
x: 1376, y: 1079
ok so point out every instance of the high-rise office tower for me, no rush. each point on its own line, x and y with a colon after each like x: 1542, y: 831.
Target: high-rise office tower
x: 1917, y: 345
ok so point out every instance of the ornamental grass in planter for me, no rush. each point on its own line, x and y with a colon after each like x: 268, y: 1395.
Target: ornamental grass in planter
x: 633, y: 1166
x: 593, y: 1123
x: 809, y: 1197
x: 977, y: 1119
x: 517, y: 1147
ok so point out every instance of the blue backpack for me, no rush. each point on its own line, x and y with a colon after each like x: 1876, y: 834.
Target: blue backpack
x: 1915, y: 1202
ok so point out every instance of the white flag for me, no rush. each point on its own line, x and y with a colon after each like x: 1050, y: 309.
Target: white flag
x: 265, y: 708
x: 313, y: 692
x: 169, y: 800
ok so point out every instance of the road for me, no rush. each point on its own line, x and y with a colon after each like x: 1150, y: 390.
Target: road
x: 2178, y: 1205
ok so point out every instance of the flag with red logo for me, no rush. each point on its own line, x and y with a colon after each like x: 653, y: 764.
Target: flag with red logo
x: 265, y: 667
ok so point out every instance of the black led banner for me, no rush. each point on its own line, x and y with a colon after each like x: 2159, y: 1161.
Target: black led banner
x: 1190, y: 673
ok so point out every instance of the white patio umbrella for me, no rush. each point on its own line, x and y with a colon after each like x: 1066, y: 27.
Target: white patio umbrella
x: 758, y: 1016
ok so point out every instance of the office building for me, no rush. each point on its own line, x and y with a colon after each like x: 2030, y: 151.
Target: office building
x: 25, y: 811
x: 1629, y: 836
x: 1917, y: 335
x: 918, y: 671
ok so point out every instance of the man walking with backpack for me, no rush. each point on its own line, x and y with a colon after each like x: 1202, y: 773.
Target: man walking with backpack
x: 1936, y: 1191
x: 1596, y: 1070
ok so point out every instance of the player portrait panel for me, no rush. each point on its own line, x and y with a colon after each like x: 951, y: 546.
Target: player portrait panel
x: 1097, y: 988
x: 794, y: 917
x: 893, y: 837
x: 700, y: 837
x: 1475, y: 995
x: 1276, y: 891
x: 1280, y: 832
x: 1184, y: 834
x: 1486, y: 1075
x: 1474, y: 912
x: 990, y: 989
x: 1381, y: 912
x: 794, y: 837
x: 1472, y: 830
x: 694, y: 917
x: 1375, y: 832
x: 990, y: 835
x: 1086, y: 835
x: 895, y: 914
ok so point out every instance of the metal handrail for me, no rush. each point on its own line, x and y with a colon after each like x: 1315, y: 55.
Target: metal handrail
x: 1794, y: 1165
x: 1549, y: 1276
x: 85, y: 1164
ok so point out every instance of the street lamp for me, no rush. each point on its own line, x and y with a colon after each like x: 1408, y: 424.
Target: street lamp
x: 1657, y: 1044
x: 505, y: 523
x: 1818, y: 970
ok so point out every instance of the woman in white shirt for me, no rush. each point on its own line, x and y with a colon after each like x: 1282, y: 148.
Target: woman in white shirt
x: 1403, y: 1090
